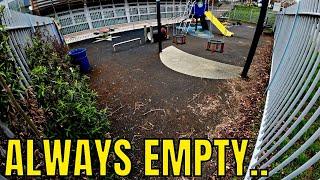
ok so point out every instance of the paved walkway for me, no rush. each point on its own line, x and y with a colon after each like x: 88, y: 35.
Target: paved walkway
x: 192, y: 65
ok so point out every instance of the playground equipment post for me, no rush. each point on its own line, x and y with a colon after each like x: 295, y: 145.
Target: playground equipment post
x: 255, y: 41
x: 159, y: 25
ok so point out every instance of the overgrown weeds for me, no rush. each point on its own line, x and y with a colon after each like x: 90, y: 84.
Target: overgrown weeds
x: 70, y: 105
x: 59, y: 101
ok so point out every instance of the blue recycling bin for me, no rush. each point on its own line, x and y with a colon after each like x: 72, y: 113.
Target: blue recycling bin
x: 79, y: 57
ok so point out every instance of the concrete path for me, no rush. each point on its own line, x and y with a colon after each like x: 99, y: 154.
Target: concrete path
x: 196, y: 66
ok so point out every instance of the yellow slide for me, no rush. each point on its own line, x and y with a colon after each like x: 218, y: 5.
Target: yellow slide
x: 218, y: 24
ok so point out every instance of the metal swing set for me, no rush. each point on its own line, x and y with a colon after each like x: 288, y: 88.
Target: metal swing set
x: 180, y: 32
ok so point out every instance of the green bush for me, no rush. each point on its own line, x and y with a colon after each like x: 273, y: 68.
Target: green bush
x: 70, y: 105
x: 8, y: 70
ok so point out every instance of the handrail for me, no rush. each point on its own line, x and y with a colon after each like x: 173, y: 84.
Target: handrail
x: 125, y: 42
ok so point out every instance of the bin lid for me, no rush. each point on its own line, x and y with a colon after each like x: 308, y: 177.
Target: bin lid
x: 77, y: 51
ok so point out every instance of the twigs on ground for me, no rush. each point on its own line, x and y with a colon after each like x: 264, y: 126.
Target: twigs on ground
x: 154, y: 110
x: 19, y: 109
x: 187, y: 135
x: 195, y: 96
x: 137, y: 106
x: 115, y: 111
x: 147, y: 126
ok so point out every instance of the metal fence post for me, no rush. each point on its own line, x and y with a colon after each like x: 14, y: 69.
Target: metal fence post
x: 256, y: 38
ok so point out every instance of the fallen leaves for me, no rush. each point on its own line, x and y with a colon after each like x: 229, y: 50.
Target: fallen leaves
x: 205, y: 106
x: 248, y: 101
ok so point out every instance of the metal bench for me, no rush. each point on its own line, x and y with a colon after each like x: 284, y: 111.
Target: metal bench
x: 125, y: 42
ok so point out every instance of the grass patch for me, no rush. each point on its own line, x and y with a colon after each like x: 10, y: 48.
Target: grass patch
x: 314, y: 171
x: 248, y: 14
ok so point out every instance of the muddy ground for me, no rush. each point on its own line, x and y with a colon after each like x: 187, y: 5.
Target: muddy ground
x: 147, y: 100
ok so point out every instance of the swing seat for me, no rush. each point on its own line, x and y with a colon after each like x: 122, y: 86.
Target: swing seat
x: 179, y: 39
x: 215, y: 45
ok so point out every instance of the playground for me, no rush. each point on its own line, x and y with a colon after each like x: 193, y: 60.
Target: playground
x: 235, y: 77
x: 188, y: 90
x: 148, y: 99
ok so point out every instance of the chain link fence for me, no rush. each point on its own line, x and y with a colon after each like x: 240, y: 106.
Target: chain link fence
x: 249, y: 14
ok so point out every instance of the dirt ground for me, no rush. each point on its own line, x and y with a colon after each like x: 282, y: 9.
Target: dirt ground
x: 147, y: 100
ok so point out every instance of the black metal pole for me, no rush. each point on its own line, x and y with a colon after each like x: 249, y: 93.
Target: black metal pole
x: 159, y: 26
x: 255, y: 41
x: 196, y: 24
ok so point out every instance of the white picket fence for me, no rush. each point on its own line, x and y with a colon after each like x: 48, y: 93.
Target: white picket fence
x: 21, y: 27
x: 290, y: 124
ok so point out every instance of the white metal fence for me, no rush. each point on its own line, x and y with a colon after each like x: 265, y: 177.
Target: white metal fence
x: 289, y: 137
x: 86, y: 18
x: 20, y: 27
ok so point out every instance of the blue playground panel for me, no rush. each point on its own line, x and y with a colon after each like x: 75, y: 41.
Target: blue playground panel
x: 198, y: 9
x: 205, y: 34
